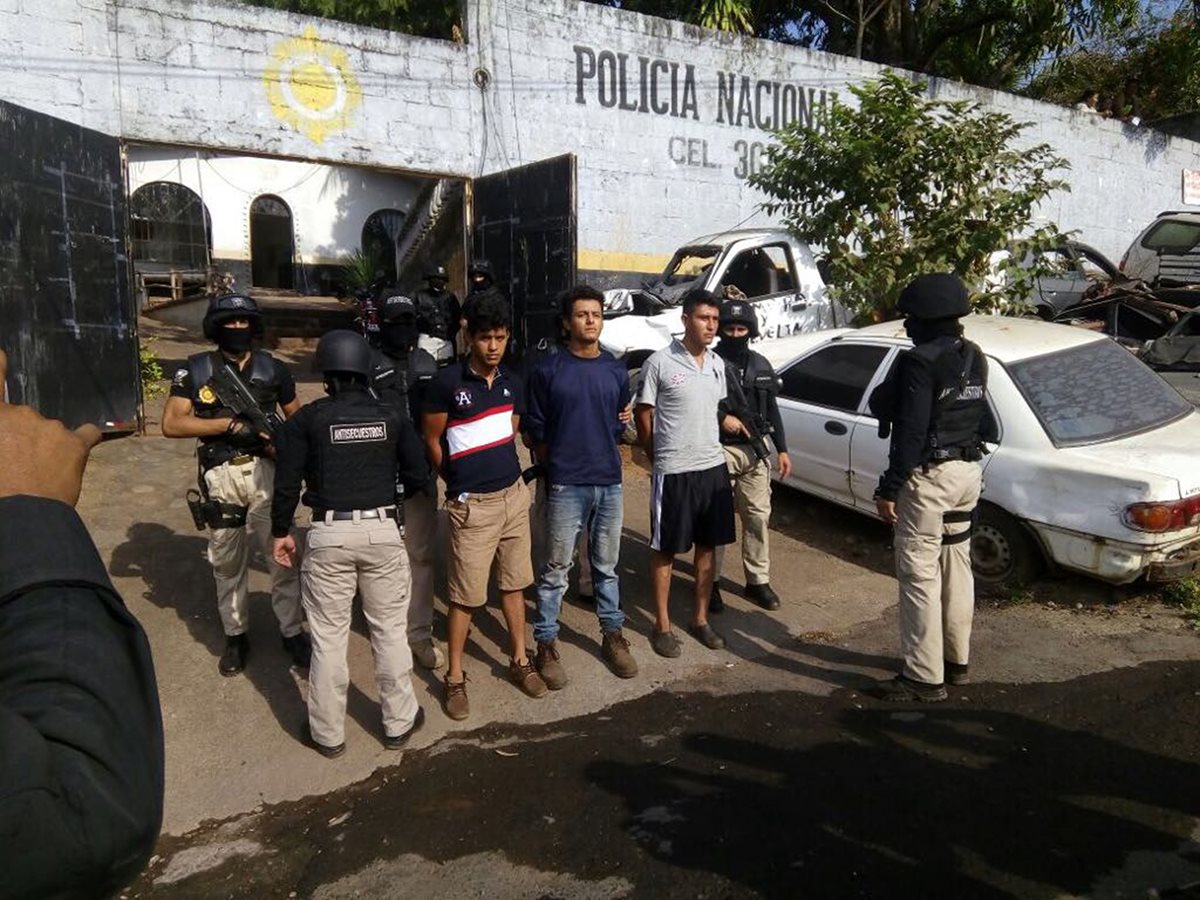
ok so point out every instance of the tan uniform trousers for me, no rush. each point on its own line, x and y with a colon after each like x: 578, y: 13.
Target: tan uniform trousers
x: 752, y: 497
x: 937, y: 587
x: 249, y: 485
x: 420, y: 532
x: 341, y: 558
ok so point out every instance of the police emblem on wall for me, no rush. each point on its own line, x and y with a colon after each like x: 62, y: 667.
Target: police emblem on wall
x: 310, y: 86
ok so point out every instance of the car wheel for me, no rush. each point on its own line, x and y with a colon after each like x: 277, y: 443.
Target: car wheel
x: 1002, y: 551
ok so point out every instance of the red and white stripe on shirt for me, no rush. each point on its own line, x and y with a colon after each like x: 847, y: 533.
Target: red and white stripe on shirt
x: 488, y: 429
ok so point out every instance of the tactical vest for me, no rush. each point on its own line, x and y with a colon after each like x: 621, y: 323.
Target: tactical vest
x: 759, y: 383
x: 259, y: 379
x: 960, y: 403
x: 352, y: 457
x: 433, y: 312
x: 398, y: 381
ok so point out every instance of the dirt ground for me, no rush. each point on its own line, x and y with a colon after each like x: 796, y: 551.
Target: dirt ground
x: 1070, y: 768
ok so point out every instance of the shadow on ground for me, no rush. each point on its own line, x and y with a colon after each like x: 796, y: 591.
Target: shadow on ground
x: 1088, y: 787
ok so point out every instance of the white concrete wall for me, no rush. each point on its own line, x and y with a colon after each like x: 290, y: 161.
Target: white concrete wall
x: 648, y: 181
x: 329, y: 204
x: 205, y: 73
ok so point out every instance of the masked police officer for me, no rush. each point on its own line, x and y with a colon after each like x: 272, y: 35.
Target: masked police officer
x: 351, y: 450
x: 934, y: 402
x: 236, y: 471
x: 751, y: 475
x: 400, y: 370
x: 438, y: 309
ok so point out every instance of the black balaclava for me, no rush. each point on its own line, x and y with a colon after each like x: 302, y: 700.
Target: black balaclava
x: 234, y: 341
x: 735, y: 349
x: 398, y: 336
x: 922, y: 331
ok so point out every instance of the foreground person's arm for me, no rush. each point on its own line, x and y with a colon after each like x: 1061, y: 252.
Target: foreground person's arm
x: 81, y: 754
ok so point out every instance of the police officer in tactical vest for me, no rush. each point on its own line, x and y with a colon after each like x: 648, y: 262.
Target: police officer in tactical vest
x: 438, y: 309
x: 753, y: 387
x: 236, y: 470
x: 358, y: 457
x: 934, y: 402
x: 399, y: 372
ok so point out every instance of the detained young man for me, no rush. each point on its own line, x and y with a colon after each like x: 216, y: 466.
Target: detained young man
x: 691, y: 501
x: 575, y: 403
x: 472, y: 413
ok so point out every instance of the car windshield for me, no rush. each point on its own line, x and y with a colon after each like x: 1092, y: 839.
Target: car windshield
x: 1173, y: 236
x: 1095, y: 392
x: 689, y: 263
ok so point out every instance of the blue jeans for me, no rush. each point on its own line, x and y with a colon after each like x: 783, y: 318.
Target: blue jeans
x: 569, y: 509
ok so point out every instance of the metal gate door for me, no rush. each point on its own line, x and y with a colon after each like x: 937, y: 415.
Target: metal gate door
x: 524, y: 225
x: 67, y: 320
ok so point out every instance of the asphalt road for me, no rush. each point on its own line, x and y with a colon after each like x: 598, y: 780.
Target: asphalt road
x: 1089, y: 787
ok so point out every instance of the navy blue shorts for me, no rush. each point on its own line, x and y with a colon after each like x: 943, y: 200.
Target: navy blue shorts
x: 689, y: 508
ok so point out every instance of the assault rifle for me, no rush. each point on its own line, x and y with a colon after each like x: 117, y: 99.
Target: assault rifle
x: 234, y: 395
x: 740, y: 408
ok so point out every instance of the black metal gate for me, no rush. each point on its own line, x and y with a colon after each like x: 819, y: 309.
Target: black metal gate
x: 524, y: 225
x: 67, y: 317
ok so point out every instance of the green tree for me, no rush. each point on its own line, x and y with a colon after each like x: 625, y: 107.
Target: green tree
x: 1151, y: 70
x: 903, y: 185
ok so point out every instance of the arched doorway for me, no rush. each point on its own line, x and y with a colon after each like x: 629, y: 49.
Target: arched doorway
x: 170, y: 227
x: 379, y: 235
x: 271, y: 245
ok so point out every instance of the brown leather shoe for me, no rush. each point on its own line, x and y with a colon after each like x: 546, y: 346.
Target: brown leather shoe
x: 455, y: 699
x: 525, y: 676
x: 615, y: 650
x: 550, y: 666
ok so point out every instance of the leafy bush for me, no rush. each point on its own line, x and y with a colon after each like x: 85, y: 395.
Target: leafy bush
x: 1185, y: 594
x: 903, y: 185
x: 151, y: 370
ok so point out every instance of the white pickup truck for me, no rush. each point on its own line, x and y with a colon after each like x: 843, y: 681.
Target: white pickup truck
x: 774, y: 271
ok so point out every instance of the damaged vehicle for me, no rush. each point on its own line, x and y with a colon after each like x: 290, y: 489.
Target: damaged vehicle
x: 768, y: 267
x: 1132, y: 313
x: 1176, y: 356
x: 1095, y: 470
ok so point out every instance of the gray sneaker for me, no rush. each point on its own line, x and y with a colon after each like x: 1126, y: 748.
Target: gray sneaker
x: 665, y: 643
x: 615, y: 650
x: 427, y: 654
x: 550, y: 666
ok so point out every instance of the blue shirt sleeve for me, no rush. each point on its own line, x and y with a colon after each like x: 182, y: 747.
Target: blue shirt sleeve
x: 436, y: 396
x: 537, y: 405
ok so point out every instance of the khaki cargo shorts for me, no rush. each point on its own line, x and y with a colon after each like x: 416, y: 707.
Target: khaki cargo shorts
x: 486, y: 529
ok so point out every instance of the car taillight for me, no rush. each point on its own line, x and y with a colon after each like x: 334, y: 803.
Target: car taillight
x: 1164, y: 516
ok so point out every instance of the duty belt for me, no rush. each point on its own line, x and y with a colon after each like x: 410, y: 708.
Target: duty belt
x: 349, y: 515
x: 969, y: 454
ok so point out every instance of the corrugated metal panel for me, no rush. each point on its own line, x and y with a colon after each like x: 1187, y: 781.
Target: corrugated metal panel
x: 66, y: 308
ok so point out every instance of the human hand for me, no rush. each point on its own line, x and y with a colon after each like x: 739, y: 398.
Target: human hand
x: 733, y: 425
x: 42, y: 457
x: 283, y: 551
x: 785, y: 465
x: 625, y: 416
x: 886, y: 509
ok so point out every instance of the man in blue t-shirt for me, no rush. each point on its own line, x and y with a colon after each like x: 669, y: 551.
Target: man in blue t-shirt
x: 472, y: 414
x: 575, y: 403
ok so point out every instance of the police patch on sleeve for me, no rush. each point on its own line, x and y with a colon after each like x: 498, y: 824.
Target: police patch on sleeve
x: 208, y: 395
x: 179, y: 378
x: 358, y: 433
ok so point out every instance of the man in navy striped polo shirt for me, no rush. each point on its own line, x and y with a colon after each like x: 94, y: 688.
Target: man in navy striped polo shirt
x: 472, y: 413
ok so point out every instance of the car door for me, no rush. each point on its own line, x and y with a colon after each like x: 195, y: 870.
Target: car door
x: 766, y: 274
x: 819, y: 403
x: 1062, y: 287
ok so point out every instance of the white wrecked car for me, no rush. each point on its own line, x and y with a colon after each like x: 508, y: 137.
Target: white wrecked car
x: 1096, y: 466
x: 774, y: 271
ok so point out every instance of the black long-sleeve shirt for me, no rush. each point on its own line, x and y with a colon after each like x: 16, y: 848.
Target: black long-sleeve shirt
x: 81, y: 746
x: 343, y: 469
x: 910, y: 427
